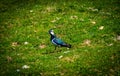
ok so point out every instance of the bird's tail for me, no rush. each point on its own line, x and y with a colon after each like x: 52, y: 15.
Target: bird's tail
x: 67, y: 45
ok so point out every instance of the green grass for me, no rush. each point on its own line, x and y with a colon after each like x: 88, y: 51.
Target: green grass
x: 91, y: 27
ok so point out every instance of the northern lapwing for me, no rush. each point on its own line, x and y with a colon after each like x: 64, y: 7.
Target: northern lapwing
x: 57, y: 41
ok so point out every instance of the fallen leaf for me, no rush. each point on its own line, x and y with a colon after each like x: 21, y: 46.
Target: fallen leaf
x: 35, y: 31
x: 31, y: 11
x: 60, y: 57
x: 66, y: 52
x: 25, y: 66
x: 112, y: 57
x: 95, y: 10
x: 108, y: 13
x: 14, y: 43
x: 42, y: 46
x: 62, y: 74
x: 101, y: 27
x: 118, y: 37
x: 81, y: 19
x: 90, y: 8
x: 74, y: 17
x: 18, y: 70
x: 87, y: 42
x: 53, y: 21
x: 96, y: 70
x: 111, y: 70
x: 50, y: 8
x: 110, y: 44
x: 9, y: 58
x: 25, y: 43
x: 93, y: 22
x: 57, y: 18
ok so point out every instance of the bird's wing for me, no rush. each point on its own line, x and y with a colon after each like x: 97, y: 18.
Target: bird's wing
x: 58, y: 41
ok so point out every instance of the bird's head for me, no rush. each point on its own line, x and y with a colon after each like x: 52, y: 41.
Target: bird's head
x: 51, y: 32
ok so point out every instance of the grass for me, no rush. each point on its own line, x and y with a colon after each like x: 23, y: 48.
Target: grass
x: 91, y: 27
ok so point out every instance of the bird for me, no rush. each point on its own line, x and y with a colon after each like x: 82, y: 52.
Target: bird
x: 57, y: 41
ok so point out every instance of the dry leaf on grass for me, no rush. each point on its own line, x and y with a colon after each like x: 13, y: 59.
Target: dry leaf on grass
x: 53, y: 21
x: 74, y: 17
x: 18, y: 70
x: 66, y: 52
x: 101, y: 27
x: 14, y: 44
x: 118, y: 37
x: 25, y: 67
x: 9, y: 59
x: 87, y: 42
x: 26, y: 43
x: 42, y: 46
x: 60, y: 57
x: 93, y: 22
x: 31, y: 11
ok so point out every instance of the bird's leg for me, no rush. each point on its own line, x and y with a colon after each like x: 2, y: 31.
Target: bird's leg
x: 55, y: 47
x: 57, y: 50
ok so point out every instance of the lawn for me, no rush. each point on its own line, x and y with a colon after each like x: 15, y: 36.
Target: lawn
x: 92, y: 27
